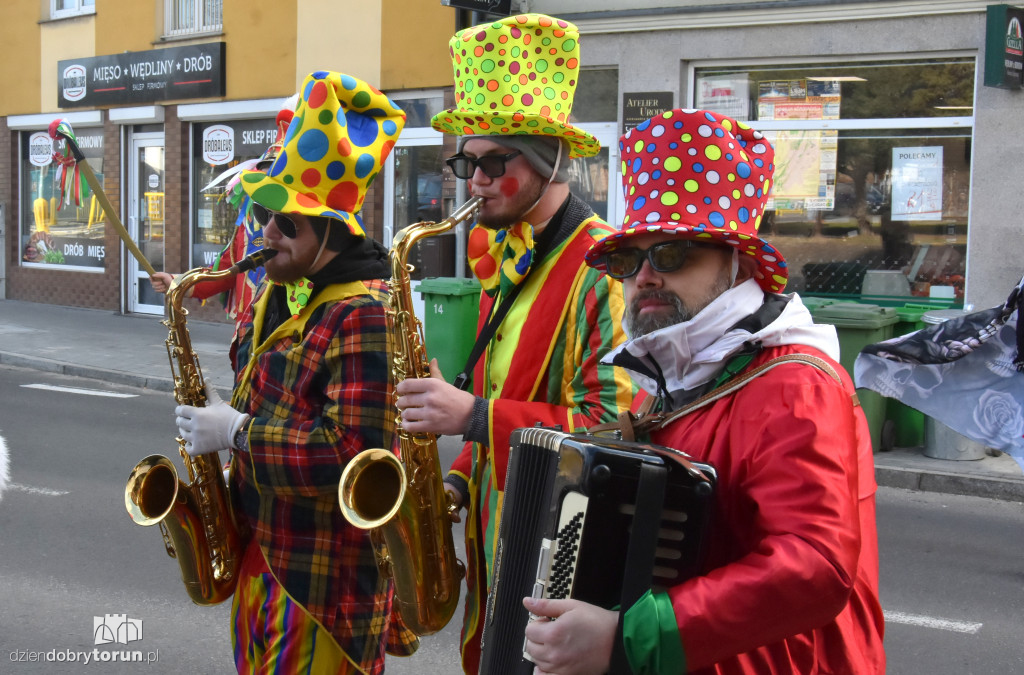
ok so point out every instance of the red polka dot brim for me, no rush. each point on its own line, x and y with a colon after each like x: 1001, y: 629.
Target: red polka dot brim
x: 517, y: 76
x: 702, y: 176
x: 342, y: 132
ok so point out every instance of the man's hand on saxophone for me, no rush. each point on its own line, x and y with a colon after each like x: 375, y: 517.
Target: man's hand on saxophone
x: 210, y: 428
x: 432, y: 405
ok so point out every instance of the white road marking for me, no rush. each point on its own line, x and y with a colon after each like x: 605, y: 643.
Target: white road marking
x: 932, y: 622
x: 36, y: 490
x: 77, y: 390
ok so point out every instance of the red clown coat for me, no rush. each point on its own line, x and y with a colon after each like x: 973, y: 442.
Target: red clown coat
x: 791, y: 581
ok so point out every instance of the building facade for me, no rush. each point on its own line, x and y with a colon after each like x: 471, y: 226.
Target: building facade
x: 162, y: 98
x: 898, y: 165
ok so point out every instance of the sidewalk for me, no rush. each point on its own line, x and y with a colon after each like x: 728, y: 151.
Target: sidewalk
x: 130, y: 350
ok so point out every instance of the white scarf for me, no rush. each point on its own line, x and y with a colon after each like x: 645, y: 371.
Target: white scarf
x: 694, y: 352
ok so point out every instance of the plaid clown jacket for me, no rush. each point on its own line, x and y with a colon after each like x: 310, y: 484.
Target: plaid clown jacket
x: 319, y: 391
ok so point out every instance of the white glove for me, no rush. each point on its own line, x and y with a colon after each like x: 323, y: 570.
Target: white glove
x: 210, y: 428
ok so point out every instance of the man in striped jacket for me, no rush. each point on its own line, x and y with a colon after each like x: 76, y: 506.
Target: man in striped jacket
x: 541, y: 363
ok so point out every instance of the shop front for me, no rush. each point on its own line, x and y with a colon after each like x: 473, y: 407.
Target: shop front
x: 896, y: 163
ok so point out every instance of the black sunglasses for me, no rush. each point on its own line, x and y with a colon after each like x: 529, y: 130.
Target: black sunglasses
x: 493, y: 166
x: 284, y: 223
x: 668, y: 256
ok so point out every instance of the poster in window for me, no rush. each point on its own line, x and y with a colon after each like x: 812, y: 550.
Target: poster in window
x: 805, y: 160
x: 917, y: 183
x: 805, y: 169
x: 726, y: 95
x: 798, y: 99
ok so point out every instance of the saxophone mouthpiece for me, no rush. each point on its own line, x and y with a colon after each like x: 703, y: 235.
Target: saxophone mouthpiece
x: 257, y: 259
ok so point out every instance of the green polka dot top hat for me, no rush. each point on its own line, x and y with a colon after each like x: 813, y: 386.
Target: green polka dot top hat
x: 517, y: 76
x: 342, y: 132
x: 701, y: 176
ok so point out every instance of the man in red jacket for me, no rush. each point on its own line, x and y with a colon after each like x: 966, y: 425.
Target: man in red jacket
x: 790, y: 584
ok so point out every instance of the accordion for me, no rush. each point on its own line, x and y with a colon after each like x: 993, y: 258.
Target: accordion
x: 593, y: 519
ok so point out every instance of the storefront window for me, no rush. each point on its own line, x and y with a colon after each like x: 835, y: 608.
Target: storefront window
x: 419, y: 110
x: 68, y: 236
x: 597, y: 96
x: 872, y: 175
x: 217, y: 148
x: 419, y: 188
x: 596, y: 100
x: 419, y: 197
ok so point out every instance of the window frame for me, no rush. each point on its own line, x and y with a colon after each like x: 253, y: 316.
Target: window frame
x: 963, y: 125
x: 194, y: 29
x: 24, y: 231
x: 80, y: 9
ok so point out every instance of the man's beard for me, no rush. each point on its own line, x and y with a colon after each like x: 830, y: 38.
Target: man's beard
x: 638, y: 324
x: 518, y: 205
x: 291, y: 270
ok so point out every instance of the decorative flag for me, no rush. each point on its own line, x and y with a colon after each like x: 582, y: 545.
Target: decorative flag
x: 965, y: 372
x: 71, y: 185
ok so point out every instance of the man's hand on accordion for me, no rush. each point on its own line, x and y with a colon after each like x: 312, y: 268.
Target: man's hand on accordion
x: 578, y: 643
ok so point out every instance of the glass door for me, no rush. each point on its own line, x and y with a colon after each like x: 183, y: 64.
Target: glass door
x: 146, y: 219
x: 414, y: 192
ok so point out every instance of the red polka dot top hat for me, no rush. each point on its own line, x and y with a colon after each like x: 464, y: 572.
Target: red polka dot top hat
x: 517, y: 76
x: 701, y: 176
x: 340, y: 135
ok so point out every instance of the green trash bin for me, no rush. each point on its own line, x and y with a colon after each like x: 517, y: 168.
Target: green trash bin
x: 813, y: 302
x: 859, y: 326
x: 450, y: 307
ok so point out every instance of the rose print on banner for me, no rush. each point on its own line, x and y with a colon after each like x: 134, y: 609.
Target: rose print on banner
x: 997, y: 415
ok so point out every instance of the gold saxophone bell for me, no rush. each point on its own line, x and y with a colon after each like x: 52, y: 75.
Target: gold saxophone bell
x: 403, y: 501
x: 195, y: 518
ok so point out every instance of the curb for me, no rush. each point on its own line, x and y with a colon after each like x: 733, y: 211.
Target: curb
x: 90, y: 372
x: 989, y: 487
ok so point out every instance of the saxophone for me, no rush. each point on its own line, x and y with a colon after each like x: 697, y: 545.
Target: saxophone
x: 402, y: 501
x: 195, y: 519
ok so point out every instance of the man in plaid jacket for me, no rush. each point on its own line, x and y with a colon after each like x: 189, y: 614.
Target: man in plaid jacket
x: 313, y: 388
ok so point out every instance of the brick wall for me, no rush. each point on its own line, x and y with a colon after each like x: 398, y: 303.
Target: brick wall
x: 10, y: 224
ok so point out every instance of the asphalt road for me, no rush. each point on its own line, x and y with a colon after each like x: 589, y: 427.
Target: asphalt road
x: 952, y: 576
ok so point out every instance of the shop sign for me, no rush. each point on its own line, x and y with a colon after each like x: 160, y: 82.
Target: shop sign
x: 190, y: 71
x: 643, y: 105
x: 1004, y: 47
x: 218, y: 144
x: 40, y: 149
x: 46, y: 249
x: 503, y: 7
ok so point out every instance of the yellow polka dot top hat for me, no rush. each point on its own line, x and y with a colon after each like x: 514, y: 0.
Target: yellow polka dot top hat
x: 517, y: 75
x: 342, y: 132
x: 701, y: 176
